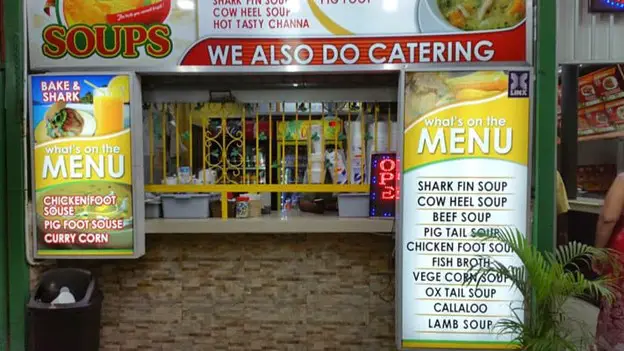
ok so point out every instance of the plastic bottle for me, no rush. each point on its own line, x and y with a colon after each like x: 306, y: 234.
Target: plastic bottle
x: 285, y: 208
x: 295, y: 205
x: 242, y: 207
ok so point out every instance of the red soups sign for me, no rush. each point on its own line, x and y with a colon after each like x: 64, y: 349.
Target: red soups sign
x: 273, y: 32
x: 73, y: 33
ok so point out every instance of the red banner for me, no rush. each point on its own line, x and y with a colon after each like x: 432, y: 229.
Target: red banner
x: 502, y: 46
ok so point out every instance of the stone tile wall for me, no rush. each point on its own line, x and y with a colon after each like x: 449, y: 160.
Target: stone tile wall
x: 250, y: 292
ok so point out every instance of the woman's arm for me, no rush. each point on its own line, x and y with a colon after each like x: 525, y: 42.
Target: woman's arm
x: 611, y: 212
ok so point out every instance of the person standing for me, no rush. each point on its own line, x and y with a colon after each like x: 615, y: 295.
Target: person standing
x: 610, y: 234
x: 563, y: 207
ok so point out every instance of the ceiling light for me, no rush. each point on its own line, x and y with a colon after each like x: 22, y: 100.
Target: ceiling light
x: 390, y: 5
x: 293, y: 5
x: 186, y: 4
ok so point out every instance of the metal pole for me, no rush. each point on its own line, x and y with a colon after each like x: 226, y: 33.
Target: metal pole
x: 569, y: 127
x: 4, y: 263
x: 14, y: 131
x: 545, y: 126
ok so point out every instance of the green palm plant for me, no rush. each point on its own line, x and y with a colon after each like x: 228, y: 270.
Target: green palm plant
x: 546, y: 280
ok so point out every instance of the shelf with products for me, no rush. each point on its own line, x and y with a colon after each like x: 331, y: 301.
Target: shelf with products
x: 600, y: 103
x: 593, y: 180
x: 586, y: 204
x: 332, y: 150
x: 274, y: 152
x: 303, y: 148
x: 603, y: 136
x: 591, y: 160
x: 237, y: 150
x: 271, y: 224
x: 597, y: 166
x: 203, y: 139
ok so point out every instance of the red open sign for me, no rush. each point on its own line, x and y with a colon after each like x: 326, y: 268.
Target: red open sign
x: 384, y: 187
x: 387, y: 179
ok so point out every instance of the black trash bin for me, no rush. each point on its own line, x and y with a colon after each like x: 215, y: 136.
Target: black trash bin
x: 69, y: 326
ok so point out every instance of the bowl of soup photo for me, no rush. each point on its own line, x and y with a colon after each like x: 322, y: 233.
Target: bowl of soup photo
x: 588, y: 90
x: 610, y: 83
x: 118, y: 238
x: 475, y: 15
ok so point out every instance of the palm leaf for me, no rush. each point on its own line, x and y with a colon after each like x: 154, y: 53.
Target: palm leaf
x: 548, y: 280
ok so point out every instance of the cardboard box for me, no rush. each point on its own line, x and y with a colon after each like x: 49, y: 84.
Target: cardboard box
x: 615, y: 111
x: 598, y: 119
x: 587, y: 95
x: 609, y: 83
x: 583, y: 125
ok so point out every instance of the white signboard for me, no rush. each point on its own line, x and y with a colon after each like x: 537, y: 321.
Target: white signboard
x: 301, y: 18
x: 465, y: 169
x: 170, y: 33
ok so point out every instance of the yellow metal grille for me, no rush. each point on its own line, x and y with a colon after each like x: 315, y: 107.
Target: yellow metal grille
x: 251, y: 148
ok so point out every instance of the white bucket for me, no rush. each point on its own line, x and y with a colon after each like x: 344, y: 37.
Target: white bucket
x: 316, y: 168
x: 209, y: 175
x: 316, y: 173
x: 356, y: 152
x: 317, y: 145
x: 380, y: 142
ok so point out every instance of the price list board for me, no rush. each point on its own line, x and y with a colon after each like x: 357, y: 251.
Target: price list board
x: 464, y: 170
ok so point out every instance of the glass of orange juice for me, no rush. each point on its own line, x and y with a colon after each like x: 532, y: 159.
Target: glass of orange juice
x: 108, y: 112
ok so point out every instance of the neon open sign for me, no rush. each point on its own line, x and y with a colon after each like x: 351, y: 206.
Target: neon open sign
x: 606, y: 5
x: 384, y: 187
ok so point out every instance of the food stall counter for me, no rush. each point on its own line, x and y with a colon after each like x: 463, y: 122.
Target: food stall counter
x: 586, y: 204
x: 273, y: 224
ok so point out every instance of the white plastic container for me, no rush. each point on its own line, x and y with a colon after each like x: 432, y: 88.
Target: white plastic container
x: 336, y: 166
x: 353, y: 205
x: 207, y: 175
x: 316, y: 174
x: 380, y: 142
x: 316, y: 146
x: 153, y: 209
x: 356, y: 149
x: 186, y: 206
x: 316, y: 169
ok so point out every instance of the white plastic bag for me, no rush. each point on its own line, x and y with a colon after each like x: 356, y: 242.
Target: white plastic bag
x: 64, y: 297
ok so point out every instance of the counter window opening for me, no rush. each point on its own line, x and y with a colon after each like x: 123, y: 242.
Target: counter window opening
x: 288, y: 157
x: 590, y: 113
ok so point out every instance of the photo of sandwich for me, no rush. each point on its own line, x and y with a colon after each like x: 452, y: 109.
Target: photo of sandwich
x: 427, y: 91
x: 65, y: 121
